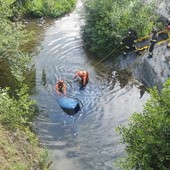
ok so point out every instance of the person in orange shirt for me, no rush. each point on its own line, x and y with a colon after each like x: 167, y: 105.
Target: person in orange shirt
x: 84, y: 77
x: 61, y: 87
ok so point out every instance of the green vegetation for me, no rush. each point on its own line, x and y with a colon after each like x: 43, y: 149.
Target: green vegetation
x: 147, y: 136
x: 18, y: 145
x: 108, y: 21
x: 19, y: 151
x: 12, y: 36
x: 39, y: 8
x: 16, y: 112
x: 53, y: 8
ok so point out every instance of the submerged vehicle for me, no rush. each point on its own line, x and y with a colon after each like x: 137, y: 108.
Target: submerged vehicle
x: 70, y: 105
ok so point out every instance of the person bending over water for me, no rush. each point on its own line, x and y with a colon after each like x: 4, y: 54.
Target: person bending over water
x: 61, y: 87
x: 84, y: 77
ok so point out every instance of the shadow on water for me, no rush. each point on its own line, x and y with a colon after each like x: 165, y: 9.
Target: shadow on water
x: 88, y: 139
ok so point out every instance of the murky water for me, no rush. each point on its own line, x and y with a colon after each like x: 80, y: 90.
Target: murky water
x: 87, y: 140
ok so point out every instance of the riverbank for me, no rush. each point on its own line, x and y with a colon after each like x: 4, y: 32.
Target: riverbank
x: 19, y: 152
x: 19, y: 145
x: 150, y: 71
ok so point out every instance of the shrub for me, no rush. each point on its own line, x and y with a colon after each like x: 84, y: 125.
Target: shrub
x: 53, y: 8
x: 147, y: 136
x: 16, y: 112
x: 12, y: 36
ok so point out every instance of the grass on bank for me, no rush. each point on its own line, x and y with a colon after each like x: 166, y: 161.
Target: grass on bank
x: 19, y: 146
x: 19, y: 151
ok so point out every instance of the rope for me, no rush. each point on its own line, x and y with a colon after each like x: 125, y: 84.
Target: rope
x: 106, y: 56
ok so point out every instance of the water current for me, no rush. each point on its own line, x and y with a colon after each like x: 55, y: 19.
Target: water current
x: 87, y: 140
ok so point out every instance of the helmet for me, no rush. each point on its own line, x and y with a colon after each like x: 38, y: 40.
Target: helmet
x: 154, y: 30
x: 129, y: 32
x: 60, y: 81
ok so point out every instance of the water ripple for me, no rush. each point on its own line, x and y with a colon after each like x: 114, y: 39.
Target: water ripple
x: 87, y: 140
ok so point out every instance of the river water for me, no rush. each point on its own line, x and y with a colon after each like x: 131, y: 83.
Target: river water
x: 87, y: 140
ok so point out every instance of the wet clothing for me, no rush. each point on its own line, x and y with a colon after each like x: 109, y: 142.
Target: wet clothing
x: 84, y: 75
x: 61, y: 88
x: 87, y: 80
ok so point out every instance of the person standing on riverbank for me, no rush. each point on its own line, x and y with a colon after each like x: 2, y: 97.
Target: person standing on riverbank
x: 61, y: 87
x: 153, y: 41
x: 128, y: 41
x: 84, y: 75
x: 168, y: 29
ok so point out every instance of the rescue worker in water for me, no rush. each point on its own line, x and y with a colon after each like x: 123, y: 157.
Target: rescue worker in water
x: 84, y: 77
x: 61, y: 87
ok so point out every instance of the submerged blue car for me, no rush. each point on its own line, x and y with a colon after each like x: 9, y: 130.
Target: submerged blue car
x: 70, y: 105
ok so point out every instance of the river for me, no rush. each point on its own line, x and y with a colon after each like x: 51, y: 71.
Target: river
x: 88, y: 140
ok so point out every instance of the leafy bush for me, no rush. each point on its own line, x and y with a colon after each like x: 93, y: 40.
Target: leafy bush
x: 12, y: 36
x: 147, y: 136
x: 53, y: 8
x: 107, y: 22
x: 35, y: 7
x: 19, y: 146
x: 16, y: 112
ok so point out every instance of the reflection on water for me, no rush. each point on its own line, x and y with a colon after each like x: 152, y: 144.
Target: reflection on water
x: 87, y: 140
x: 43, y: 79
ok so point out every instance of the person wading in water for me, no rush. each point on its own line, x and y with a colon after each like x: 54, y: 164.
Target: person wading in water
x: 84, y: 77
x: 61, y: 87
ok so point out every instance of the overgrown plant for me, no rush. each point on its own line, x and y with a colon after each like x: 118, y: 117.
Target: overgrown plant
x: 14, y: 112
x: 12, y: 36
x: 53, y: 8
x: 44, y: 157
x: 147, y: 136
x: 108, y: 21
x: 18, y: 152
x: 19, y: 147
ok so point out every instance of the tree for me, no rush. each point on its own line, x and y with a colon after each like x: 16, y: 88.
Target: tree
x: 147, y: 136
